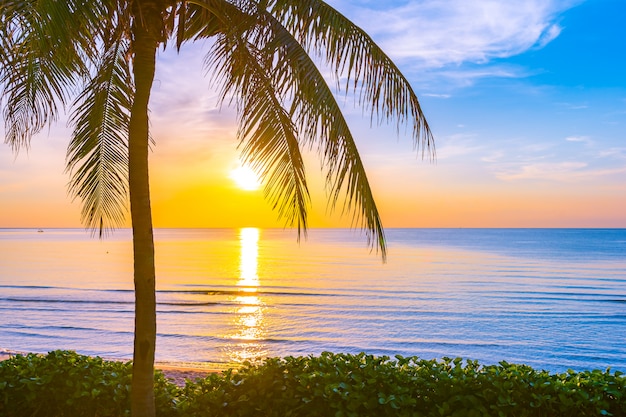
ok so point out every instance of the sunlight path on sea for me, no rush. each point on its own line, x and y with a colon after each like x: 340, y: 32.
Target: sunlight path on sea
x: 248, y: 326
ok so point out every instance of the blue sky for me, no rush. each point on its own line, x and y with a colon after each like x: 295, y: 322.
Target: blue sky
x: 527, y: 101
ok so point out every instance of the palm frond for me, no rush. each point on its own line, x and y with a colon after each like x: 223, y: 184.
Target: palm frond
x: 45, y: 50
x: 354, y: 55
x: 319, y: 118
x: 269, y: 138
x: 97, y: 155
x: 201, y: 21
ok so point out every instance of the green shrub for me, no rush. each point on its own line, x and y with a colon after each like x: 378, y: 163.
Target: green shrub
x: 344, y: 385
x: 63, y: 384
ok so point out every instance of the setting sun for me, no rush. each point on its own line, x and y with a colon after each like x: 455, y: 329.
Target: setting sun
x: 245, y: 178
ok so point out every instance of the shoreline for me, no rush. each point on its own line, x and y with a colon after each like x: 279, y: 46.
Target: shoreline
x: 177, y: 373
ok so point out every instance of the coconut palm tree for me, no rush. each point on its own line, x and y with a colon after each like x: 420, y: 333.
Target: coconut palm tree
x: 270, y: 58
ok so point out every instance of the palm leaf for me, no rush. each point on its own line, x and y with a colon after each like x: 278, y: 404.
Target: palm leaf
x: 354, y: 55
x: 319, y: 118
x: 42, y: 59
x: 268, y: 136
x: 97, y: 155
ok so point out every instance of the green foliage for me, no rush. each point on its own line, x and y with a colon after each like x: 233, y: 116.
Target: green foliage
x: 64, y: 383
x: 339, y: 385
x: 344, y: 385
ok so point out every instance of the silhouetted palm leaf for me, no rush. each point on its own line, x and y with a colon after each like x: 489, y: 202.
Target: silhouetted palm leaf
x: 97, y: 155
x: 42, y: 59
x: 268, y: 135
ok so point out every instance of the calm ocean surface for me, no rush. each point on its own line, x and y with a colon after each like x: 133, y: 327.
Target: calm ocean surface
x: 550, y: 298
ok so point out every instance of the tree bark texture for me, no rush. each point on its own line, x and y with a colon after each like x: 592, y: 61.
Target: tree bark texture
x: 145, y: 42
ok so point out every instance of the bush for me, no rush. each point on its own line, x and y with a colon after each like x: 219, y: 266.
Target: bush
x: 343, y: 385
x: 340, y: 385
x: 64, y: 383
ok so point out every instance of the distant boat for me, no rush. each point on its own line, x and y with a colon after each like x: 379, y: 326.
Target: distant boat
x: 40, y: 231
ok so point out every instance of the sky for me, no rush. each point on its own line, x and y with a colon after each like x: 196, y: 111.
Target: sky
x: 526, y: 100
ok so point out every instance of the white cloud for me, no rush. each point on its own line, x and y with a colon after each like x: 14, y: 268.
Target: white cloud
x: 463, y: 77
x: 614, y: 153
x: 580, y: 139
x: 556, y: 171
x: 573, y: 106
x: 437, y: 33
x: 493, y: 157
x: 434, y: 95
x: 458, y: 145
x: 568, y: 172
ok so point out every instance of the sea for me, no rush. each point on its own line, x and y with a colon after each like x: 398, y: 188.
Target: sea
x: 554, y: 299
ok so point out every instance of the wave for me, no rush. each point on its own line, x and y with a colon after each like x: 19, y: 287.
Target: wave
x: 199, y: 291
x: 116, y: 302
x: 63, y: 301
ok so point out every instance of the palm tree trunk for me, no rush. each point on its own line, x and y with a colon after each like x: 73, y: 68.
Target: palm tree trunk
x: 142, y: 388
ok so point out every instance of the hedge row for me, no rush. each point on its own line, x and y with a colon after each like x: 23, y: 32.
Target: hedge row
x: 67, y: 384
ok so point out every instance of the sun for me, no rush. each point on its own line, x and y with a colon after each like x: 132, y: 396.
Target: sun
x: 245, y: 178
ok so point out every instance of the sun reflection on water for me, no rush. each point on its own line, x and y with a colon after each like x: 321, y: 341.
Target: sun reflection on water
x: 249, y: 259
x: 248, y: 322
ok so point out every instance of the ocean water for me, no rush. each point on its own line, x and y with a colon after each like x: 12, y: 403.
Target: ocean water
x: 550, y: 298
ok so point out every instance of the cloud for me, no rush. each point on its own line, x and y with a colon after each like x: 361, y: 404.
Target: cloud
x: 556, y: 171
x: 580, y: 139
x: 435, y: 95
x: 493, y: 157
x: 466, y: 76
x: 568, y: 172
x: 436, y: 33
x: 573, y: 106
x: 458, y: 145
x: 185, y: 103
x: 613, y: 153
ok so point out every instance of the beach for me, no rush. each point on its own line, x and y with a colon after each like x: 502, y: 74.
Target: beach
x: 178, y: 374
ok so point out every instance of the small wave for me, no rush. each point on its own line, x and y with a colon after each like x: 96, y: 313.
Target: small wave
x: 39, y: 308
x: 243, y: 292
x: 52, y: 287
x: 191, y: 312
x: 38, y: 287
x: 63, y: 301
x: 190, y: 304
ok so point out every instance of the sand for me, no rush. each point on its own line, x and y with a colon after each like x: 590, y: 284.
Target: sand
x: 179, y: 374
x: 175, y: 373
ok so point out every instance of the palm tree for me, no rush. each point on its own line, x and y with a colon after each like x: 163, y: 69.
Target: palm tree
x: 97, y: 57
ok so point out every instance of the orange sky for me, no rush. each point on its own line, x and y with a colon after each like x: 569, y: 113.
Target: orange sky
x: 524, y: 137
x: 189, y: 190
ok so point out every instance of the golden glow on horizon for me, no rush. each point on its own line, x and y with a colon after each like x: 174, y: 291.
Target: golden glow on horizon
x: 245, y: 178
x: 192, y: 189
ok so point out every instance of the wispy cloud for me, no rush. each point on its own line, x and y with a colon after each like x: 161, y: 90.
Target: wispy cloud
x: 468, y: 75
x: 573, y: 106
x: 580, y: 139
x: 457, y: 145
x: 557, y: 171
x: 613, y: 153
x: 437, y: 33
x: 435, y: 95
x: 492, y: 157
